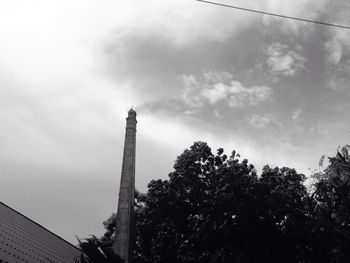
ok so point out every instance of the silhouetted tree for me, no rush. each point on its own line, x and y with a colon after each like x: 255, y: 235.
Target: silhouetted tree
x: 214, y: 208
x: 332, y: 208
x: 95, y: 250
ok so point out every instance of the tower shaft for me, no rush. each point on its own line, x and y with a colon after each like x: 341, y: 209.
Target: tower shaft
x: 123, y: 243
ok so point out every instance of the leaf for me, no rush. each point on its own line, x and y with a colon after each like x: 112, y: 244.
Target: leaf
x: 320, y: 163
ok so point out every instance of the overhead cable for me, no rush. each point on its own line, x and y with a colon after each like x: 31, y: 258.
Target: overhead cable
x: 273, y: 14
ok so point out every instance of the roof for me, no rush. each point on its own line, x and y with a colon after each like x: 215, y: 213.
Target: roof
x: 24, y: 240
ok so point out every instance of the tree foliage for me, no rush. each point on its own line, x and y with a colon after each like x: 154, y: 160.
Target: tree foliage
x: 95, y: 250
x: 332, y: 207
x: 215, y: 208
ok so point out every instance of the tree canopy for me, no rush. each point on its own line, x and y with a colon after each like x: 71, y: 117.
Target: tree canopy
x: 215, y: 208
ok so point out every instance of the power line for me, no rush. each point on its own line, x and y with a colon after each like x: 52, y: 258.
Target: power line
x: 273, y: 14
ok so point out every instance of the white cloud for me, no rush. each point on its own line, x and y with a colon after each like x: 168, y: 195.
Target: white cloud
x: 282, y: 61
x: 335, y: 50
x: 338, y: 67
x: 198, y: 91
x: 190, y: 92
x: 217, y: 92
x: 338, y: 44
x: 236, y: 95
x: 296, y: 114
x: 217, y: 114
x: 217, y: 76
x: 259, y: 94
x: 259, y: 121
x: 339, y: 80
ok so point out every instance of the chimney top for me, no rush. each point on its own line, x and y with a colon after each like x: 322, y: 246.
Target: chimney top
x: 131, y: 113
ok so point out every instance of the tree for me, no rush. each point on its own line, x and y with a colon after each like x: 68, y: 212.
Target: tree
x: 332, y: 207
x: 99, y: 250
x: 214, y: 208
x: 95, y: 250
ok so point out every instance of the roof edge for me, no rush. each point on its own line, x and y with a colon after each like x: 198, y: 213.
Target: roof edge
x: 40, y: 226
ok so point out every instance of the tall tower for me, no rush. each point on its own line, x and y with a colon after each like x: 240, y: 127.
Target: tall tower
x: 123, y: 243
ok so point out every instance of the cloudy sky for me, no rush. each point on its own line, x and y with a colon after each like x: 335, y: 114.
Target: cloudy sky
x: 275, y: 90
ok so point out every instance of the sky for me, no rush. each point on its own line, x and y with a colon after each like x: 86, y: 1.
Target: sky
x: 275, y: 90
